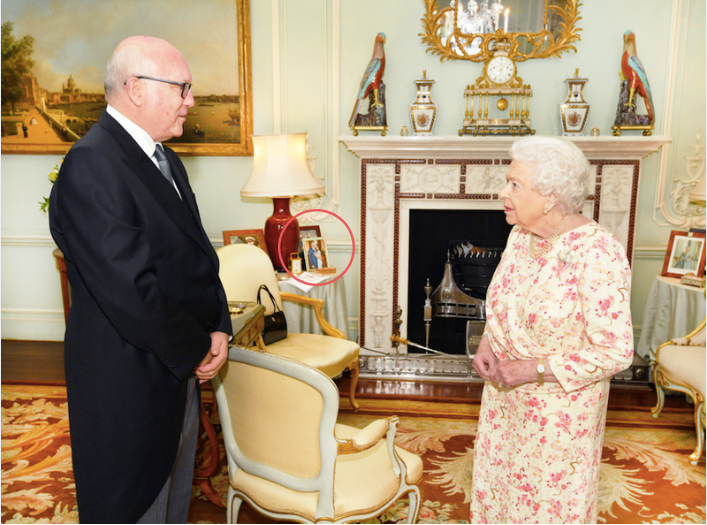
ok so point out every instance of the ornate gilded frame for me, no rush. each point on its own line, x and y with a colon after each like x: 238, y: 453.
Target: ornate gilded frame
x: 544, y: 43
x: 243, y: 67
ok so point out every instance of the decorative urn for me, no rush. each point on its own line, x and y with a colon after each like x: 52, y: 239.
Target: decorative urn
x: 575, y: 110
x: 423, y: 112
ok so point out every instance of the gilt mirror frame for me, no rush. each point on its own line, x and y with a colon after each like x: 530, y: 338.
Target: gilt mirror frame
x: 543, y: 43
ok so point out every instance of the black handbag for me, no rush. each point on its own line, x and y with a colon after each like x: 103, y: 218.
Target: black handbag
x: 275, y: 323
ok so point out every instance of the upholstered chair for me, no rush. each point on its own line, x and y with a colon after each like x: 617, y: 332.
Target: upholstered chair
x: 680, y: 366
x: 243, y: 269
x: 289, y: 459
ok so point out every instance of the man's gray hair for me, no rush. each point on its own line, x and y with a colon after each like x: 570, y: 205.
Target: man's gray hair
x: 557, y: 166
x: 128, y: 60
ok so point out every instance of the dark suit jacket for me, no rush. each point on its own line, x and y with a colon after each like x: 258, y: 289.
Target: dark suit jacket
x: 145, y: 298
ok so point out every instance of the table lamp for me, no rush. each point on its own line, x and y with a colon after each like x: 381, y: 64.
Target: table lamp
x: 280, y: 171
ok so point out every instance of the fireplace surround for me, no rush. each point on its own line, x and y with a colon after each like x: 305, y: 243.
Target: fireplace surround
x: 400, y: 174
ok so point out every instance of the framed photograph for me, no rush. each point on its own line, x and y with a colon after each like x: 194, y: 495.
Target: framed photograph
x: 254, y: 237
x: 685, y: 254
x: 310, y: 231
x: 316, y: 254
x: 52, y: 83
x: 306, y: 232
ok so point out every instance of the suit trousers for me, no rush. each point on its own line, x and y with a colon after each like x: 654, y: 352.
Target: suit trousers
x: 172, y: 503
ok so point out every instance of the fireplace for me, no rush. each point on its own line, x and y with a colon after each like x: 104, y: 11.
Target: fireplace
x: 404, y: 176
x: 438, y: 236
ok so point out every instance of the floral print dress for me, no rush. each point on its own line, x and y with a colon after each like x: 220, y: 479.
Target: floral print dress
x: 538, y: 449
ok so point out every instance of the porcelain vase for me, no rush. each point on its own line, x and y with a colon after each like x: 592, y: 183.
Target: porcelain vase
x: 423, y: 112
x: 575, y: 110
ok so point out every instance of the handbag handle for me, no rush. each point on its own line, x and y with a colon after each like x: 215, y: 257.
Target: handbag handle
x: 274, y: 303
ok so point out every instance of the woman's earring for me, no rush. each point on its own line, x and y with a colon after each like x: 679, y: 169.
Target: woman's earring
x: 545, y: 211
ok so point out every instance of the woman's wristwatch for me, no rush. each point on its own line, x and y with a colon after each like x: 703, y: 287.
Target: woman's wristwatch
x: 541, y: 371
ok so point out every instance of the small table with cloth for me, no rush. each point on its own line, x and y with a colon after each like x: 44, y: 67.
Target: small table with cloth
x: 301, y: 318
x: 672, y: 310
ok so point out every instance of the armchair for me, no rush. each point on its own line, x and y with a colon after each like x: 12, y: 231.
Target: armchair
x: 243, y: 269
x: 289, y: 459
x: 680, y: 366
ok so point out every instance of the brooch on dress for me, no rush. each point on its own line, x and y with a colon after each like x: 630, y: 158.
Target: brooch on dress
x: 565, y: 256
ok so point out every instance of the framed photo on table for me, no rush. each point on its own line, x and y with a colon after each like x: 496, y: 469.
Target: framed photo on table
x: 685, y: 254
x: 52, y: 92
x: 306, y: 232
x: 254, y: 237
x: 316, y: 254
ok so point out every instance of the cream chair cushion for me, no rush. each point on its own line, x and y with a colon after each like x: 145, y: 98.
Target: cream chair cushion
x: 328, y: 354
x: 685, y: 364
x: 362, y: 482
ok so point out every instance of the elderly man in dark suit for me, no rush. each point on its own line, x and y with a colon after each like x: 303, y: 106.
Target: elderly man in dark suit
x: 149, y: 319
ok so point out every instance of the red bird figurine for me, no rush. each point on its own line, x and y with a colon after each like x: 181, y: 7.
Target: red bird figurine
x: 633, y: 71
x: 371, y: 78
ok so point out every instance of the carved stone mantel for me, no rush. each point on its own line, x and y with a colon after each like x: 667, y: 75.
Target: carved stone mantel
x: 366, y: 147
x: 403, y: 173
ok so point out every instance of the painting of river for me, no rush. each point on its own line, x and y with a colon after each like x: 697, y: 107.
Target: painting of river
x: 58, y: 90
x: 208, y: 122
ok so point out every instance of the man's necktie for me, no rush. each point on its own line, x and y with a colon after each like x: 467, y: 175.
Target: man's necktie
x: 163, y: 163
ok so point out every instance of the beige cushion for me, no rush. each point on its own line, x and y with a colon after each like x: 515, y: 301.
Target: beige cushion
x: 363, y: 481
x: 328, y: 354
x: 685, y: 364
x: 292, y: 407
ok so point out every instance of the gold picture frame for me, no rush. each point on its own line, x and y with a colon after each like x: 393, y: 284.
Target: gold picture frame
x: 220, y: 123
x: 320, y: 254
x: 254, y: 237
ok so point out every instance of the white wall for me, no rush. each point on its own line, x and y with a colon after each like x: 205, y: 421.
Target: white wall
x: 308, y: 58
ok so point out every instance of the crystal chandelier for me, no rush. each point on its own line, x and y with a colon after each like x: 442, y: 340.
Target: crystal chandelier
x: 474, y: 19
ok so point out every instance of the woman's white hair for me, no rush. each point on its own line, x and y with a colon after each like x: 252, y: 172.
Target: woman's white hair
x: 557, y: 166
x: 128, y: 60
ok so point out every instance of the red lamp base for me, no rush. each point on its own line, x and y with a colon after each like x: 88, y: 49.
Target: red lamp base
x: 273, y: 228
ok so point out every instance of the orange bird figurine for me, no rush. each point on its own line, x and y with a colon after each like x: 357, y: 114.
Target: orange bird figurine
x: 371, y: 77
x: 633, y: 71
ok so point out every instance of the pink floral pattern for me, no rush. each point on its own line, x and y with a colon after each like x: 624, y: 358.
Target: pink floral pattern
x: 538, y: 449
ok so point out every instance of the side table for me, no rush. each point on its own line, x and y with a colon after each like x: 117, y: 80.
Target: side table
x: 302, y: 319
x: 65, y: 288
x: 673, y: 310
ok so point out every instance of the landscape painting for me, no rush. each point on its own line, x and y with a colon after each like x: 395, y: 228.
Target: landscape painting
x: 54, y: 57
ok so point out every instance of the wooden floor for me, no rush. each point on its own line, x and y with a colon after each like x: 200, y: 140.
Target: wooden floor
x: 44, y: 362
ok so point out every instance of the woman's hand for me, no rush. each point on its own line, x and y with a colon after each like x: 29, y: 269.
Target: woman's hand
x: 514, y: 372
x: 484, y: 359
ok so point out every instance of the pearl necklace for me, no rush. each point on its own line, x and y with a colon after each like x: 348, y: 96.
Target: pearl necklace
x: 536, y: 252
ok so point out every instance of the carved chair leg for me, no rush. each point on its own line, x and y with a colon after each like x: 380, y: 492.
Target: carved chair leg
x: 657, y: 379
x: 700, y: 430
x: 353, y: 367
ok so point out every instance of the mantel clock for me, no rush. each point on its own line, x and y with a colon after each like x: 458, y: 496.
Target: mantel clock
x: 499, y: 82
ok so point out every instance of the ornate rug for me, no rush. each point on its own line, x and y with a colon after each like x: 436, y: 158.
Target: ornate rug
x: 646, y: 474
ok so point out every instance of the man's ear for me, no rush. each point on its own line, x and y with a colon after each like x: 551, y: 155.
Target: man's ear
x: 135, y: 91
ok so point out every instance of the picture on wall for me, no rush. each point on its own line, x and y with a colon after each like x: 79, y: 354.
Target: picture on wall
x: 55, y: 54
x: 316, y: 254
x: 685, y: 254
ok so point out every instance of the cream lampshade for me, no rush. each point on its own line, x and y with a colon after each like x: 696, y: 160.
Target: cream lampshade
x: 280, y: 171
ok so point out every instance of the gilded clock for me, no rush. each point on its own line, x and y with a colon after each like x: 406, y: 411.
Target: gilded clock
x: 501, y: 83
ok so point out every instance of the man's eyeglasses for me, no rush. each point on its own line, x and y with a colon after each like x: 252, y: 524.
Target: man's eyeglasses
x: 185, y: 86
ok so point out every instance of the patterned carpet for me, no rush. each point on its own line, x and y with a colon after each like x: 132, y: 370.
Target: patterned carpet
x: 646, y: 475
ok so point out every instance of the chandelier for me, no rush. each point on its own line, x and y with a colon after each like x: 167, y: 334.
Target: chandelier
x: 477, y: 17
